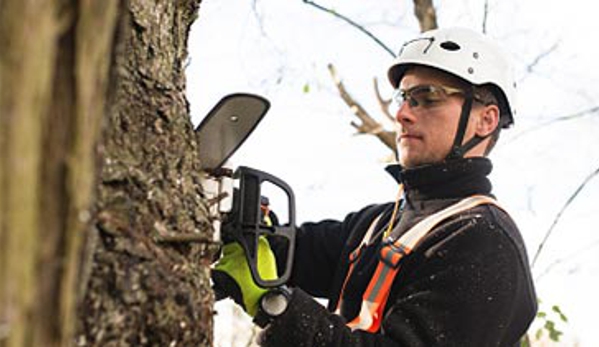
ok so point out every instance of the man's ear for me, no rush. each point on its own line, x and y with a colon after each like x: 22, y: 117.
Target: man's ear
x: 487, y: 120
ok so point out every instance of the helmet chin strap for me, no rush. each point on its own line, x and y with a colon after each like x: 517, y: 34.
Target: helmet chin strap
x: 457, y: 149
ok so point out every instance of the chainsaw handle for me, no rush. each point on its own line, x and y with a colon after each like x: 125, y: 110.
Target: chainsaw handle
x: 249, y: 226
x: 250, y: 246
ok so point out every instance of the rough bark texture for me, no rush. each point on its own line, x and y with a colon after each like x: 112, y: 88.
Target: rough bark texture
x: 80, y: 213
x: 141, y: 291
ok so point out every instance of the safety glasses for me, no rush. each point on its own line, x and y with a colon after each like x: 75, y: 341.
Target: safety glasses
x: 425, y: 96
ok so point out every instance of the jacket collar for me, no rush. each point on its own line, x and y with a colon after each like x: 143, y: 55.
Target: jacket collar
x: 449, y: 179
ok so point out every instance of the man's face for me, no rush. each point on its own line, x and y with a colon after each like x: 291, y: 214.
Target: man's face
x: 426, y: 132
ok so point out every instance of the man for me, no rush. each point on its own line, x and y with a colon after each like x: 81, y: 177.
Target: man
x: 443, y: 265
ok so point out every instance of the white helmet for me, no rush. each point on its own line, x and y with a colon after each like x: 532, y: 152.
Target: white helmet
x: 463, y: 53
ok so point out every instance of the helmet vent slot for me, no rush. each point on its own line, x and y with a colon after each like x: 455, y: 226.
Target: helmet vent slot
x: 450, y: 46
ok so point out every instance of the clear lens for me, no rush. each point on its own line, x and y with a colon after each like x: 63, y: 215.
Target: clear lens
x: 424, y: 96
x: 399, y: 97
x: 427, y: 95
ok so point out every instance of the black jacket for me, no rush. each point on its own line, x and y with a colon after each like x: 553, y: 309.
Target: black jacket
x: 467, y: 283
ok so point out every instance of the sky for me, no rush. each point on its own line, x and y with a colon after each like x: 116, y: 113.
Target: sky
x: 281, y: 50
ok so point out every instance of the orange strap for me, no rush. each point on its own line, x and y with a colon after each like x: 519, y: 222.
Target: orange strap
x: 375, y: 297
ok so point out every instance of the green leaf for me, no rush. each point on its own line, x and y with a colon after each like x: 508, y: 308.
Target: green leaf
x: 306, y: 88
x: 555, y: 335
x: 562, y: 316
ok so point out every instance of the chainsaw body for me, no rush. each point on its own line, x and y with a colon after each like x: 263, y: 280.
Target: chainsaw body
x: 238, y: 197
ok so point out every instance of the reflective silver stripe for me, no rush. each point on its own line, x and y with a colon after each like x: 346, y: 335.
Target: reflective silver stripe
x: 370, y: 230
x: 418, y: 231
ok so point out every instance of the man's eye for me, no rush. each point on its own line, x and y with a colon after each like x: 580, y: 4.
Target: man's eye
x: 413, y: 102
x: 426, y: 98
x: 429, y: 100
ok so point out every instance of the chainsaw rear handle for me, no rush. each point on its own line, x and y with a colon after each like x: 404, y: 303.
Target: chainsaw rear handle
x: 247, y: 221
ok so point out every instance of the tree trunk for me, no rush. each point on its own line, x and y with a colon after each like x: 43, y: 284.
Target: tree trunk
x: 81, y: 214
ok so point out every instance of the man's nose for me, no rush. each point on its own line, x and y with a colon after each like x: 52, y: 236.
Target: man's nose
x: 404, y: 114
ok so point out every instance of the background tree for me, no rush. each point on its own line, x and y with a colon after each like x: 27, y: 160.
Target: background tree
x: 90, y: 220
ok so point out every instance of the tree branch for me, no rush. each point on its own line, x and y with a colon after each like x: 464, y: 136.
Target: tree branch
x: 542, y: 55
x: 577, y: 253
x: 258, y: 18
x: 384, y: 103
x: 485, y: 16
x: 561, y: 212
x: 426, y: 14
x: 368, y: 124
x: 352, y: 23
x: 576, y: 115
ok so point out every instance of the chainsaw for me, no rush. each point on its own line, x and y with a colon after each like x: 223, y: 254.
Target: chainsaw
x: 236, y: 197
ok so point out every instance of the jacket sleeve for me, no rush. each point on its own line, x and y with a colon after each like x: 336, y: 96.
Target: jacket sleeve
x: 319, y: 247
x: 306, y: 323
x: 468, y: 285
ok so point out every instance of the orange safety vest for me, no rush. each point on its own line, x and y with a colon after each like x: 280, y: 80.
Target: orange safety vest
x: 375, y: 297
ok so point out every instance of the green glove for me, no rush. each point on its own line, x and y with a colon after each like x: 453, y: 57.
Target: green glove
x: 232, y: 277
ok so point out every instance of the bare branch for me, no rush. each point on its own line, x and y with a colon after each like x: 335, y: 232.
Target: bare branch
x: 384, y: 103
x: 569, y: 257
x: 576, y: 115
x: 485, y: 16
x: 368, y: 125
x: 426, y: 14
x: 352, y: 23
x: 561, y: 212
x: 259, y: 19
x: 542, y: 55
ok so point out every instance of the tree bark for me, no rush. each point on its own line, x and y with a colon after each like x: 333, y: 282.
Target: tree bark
x: 142, y: 292
x: 79, y: 211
